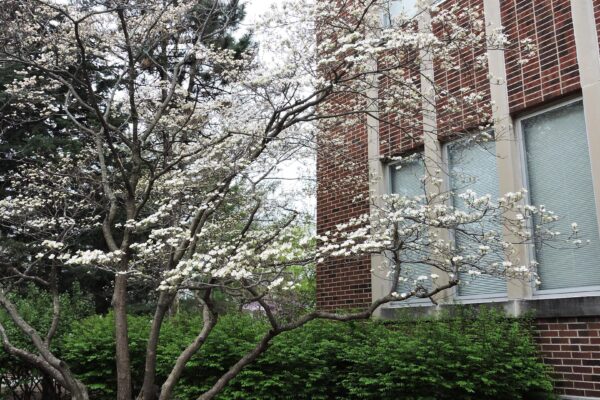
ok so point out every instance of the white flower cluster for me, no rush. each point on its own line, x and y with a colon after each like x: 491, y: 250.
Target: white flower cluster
x: 95, y: 257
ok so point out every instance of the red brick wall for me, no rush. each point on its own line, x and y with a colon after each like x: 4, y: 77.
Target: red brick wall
x: 344, y: 283
x: 343, y: 175
x: 571, y: 346
x: 553, y: 72
x: 470, y: 75
x: 401, y: 130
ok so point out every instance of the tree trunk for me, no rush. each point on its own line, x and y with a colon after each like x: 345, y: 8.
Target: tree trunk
x: 209, y: 322
x: 149, y: 388
x: 122, y: 338
x: 46, y: 361
x: 79, y: 392
x: 260, y: 348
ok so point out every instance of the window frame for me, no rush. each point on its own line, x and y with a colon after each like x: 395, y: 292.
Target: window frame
x: 474, y: 298
x: 576, y: 291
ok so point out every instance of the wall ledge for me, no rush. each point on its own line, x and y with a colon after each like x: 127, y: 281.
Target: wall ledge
x: 566, y: 307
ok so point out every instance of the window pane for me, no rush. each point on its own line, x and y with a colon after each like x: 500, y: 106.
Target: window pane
x: 406, y: 181
x: 559, y: 172
x: 394, y: 8
x: 406, y: 178
x: 473, y: 166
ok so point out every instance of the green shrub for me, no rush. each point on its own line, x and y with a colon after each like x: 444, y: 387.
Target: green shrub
x: 470, y: 356
x: 484, y: 356
x: 35, y: 306
x: 89, y: 350
x: 233, y: 336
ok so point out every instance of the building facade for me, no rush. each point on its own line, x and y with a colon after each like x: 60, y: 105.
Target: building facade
x: 549, y: 109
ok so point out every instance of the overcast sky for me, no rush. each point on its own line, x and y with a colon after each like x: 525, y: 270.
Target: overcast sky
x: 293, y: 172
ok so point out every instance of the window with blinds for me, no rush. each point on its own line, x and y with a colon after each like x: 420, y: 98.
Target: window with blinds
x: 560, y: 178
x: 473, y: 166
x: 406, y: 180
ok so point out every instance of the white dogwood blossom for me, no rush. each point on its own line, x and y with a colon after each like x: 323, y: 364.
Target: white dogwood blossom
x: 413, y: 230
x: 174, y: 142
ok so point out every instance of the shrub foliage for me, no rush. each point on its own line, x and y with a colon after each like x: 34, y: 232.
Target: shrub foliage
x: 17, y: 378
x: 469, y: 356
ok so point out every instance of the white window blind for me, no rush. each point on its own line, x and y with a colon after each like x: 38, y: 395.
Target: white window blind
x: 473, y: 166
x: 407, y: 178
x: 560, y: 178
x: 407, y: 181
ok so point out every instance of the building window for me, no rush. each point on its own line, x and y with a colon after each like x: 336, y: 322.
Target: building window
x: 394, y: 8
x: 473, y: 166
x: 407, y: 180
x: 407, y: 177
x: 559, y: 176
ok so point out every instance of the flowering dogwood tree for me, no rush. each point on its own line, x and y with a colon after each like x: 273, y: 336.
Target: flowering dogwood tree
x: 179, y: 137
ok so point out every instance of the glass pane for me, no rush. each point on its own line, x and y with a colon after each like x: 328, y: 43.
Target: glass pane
x: 396, y: 7
x: 473, y: 166
x: 406, y: 181
x: 560, y: 178
x: 406, y: 178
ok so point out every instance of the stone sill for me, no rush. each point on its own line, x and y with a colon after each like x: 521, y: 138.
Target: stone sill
x: 566, y: 307
x: 565, y: 397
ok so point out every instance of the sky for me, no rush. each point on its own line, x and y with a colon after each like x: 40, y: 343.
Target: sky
x: 292, y: 172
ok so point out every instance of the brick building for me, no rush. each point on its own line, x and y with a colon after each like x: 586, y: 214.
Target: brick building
x: 554, y: 97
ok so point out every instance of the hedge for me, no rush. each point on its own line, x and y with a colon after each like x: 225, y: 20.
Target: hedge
x: 472, y: 356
